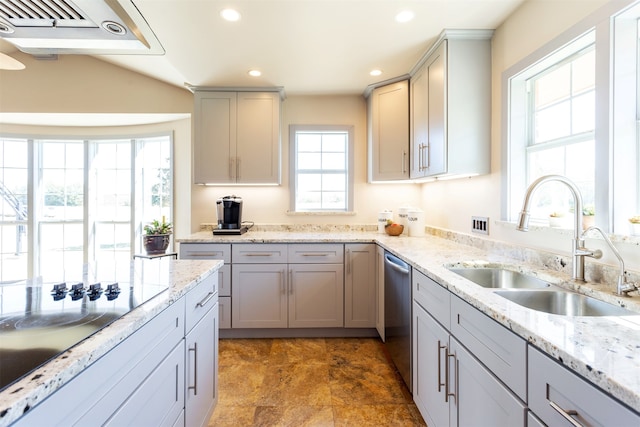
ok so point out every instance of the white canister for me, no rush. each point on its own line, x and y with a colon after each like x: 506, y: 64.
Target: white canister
x: 415, y: 219
x: 402, y: 216
x: 383, y: 216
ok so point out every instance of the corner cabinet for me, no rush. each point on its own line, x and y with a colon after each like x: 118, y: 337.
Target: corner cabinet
x: 388, y: 130
x: 450, y: 108
x: 236, y: 137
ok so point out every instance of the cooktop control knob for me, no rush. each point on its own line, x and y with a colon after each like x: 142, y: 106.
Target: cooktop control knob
x: 94, y: 292
x: 59, y: 291
x: 77, y: 291
x: 113, y: 290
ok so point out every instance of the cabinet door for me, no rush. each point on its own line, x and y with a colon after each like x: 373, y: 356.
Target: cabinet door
x: 257, y: 157
x: 360, y: 286
x: 215, y: 137
x: 561, y: 398
x: 389, y: 124
x: 201, y: 370
x: 316, y: 295
x: 436, y: 151
x: 380, y: 291
x: 206, y: 251
x: 259, y: 296
x: 419, y: 118
x: 224, y: 312
x: 159, y: 400
x: 478, y: 398
x: 430, y: 344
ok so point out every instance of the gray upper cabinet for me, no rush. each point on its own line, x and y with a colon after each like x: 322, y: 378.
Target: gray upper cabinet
x: 237, y: 137
x: 451, y: 106
x: 388, y: 129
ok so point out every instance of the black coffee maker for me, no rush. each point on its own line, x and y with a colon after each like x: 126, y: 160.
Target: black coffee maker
x: 229, y: 210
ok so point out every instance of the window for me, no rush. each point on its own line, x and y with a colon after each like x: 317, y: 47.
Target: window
x: 588, y: 127
x: 88, y: 200
x: 321, y: 163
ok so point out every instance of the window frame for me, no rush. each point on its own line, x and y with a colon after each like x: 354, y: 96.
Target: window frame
x: 617, y: 134
x: 293, y: 178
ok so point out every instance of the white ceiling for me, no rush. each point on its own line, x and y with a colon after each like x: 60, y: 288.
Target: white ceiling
x: 306, y: 46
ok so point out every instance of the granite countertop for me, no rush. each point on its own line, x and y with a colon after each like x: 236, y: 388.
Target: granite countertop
x: 179, y: 277
x: 605, y: 350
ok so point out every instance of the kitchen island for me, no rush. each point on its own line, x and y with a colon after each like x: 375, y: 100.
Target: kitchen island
x: 45, y: 383
x: 603, y: 350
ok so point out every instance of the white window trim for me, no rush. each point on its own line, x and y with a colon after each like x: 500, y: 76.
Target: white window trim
x: 608, y: 198
x: 293, y: 129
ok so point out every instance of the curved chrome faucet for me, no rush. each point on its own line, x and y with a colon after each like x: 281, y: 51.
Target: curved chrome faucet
x: 578, y: 249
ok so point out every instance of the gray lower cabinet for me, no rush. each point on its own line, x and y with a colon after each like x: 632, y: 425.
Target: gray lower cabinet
x: 561, y: 398
x: 287, y: 286
x: 201, y: 357
x: 215, y: 251
x: 451, y: 387
x: 360, y: 285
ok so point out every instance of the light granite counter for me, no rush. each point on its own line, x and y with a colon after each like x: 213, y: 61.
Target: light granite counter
x: 604, y: 350
x: 178, y: 276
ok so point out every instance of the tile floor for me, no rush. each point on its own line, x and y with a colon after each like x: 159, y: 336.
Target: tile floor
x: 310, y: 382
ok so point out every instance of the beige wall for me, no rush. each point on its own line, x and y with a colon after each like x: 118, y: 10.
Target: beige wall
x: 269, y: 205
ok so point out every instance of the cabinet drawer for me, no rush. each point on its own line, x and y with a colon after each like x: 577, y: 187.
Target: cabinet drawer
x: 551, y: 384
x: 434, y: 298
x: 321, y: 253
x: 261, y: 253
x: 200, y: 299
x: 224, y: 309
x: 206, y: 251
x: 499, y: 349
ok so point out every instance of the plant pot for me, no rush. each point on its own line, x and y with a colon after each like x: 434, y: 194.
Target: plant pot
x: 156, y: 244
x: 556, y: 221
x: 634, y: 228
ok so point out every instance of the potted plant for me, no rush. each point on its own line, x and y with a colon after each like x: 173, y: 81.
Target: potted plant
x: 156, y: 237
x: 588, y: 216
x: 634, y: 222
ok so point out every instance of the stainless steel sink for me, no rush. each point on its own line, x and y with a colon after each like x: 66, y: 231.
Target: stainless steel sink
x: 563, y: 303
x: 500, y: 278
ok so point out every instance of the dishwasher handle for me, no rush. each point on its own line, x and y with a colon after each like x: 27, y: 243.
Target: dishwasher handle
x: 396, y: 263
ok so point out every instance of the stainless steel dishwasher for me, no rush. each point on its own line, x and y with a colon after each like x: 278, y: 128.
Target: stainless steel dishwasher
x: 397, y: 314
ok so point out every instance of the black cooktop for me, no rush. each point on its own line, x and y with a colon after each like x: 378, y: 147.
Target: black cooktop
x: 38, y: 321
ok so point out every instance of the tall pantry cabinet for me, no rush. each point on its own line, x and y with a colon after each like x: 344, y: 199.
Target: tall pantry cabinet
x: 236, y: 137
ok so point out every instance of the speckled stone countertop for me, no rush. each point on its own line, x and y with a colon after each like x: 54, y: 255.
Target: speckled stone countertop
x: 605, y: 350
x: 179, y: 277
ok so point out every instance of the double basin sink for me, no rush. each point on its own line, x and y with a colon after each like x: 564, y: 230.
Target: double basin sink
x: 536, y: 294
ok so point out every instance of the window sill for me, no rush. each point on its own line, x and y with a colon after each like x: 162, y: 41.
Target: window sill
x: 322, y: 213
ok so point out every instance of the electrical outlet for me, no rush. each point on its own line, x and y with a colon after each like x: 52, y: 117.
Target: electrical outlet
x: 480, y: 224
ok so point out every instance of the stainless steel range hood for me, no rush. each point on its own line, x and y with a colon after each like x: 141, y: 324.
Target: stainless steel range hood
x: 43, y: 27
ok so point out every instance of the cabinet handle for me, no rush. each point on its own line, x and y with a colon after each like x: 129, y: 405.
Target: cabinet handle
x: 447, y: 392
x: 258, y: 254
x: 290, y: 281
x: 348, y: 261
x: 404, y: 161
x: 427, y: 157
x: 440, y: 383
x: 205, y: 254
x: 315, y: 254
x: 194, y: 387
x: 567, y: 414
x: 205, y: 300
x: 283, y: 287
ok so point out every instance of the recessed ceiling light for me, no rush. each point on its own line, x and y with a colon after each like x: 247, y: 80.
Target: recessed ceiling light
x: 255, y: 73
x: 405, y: 16
x: 230, y: 15
x: 375, y: 72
